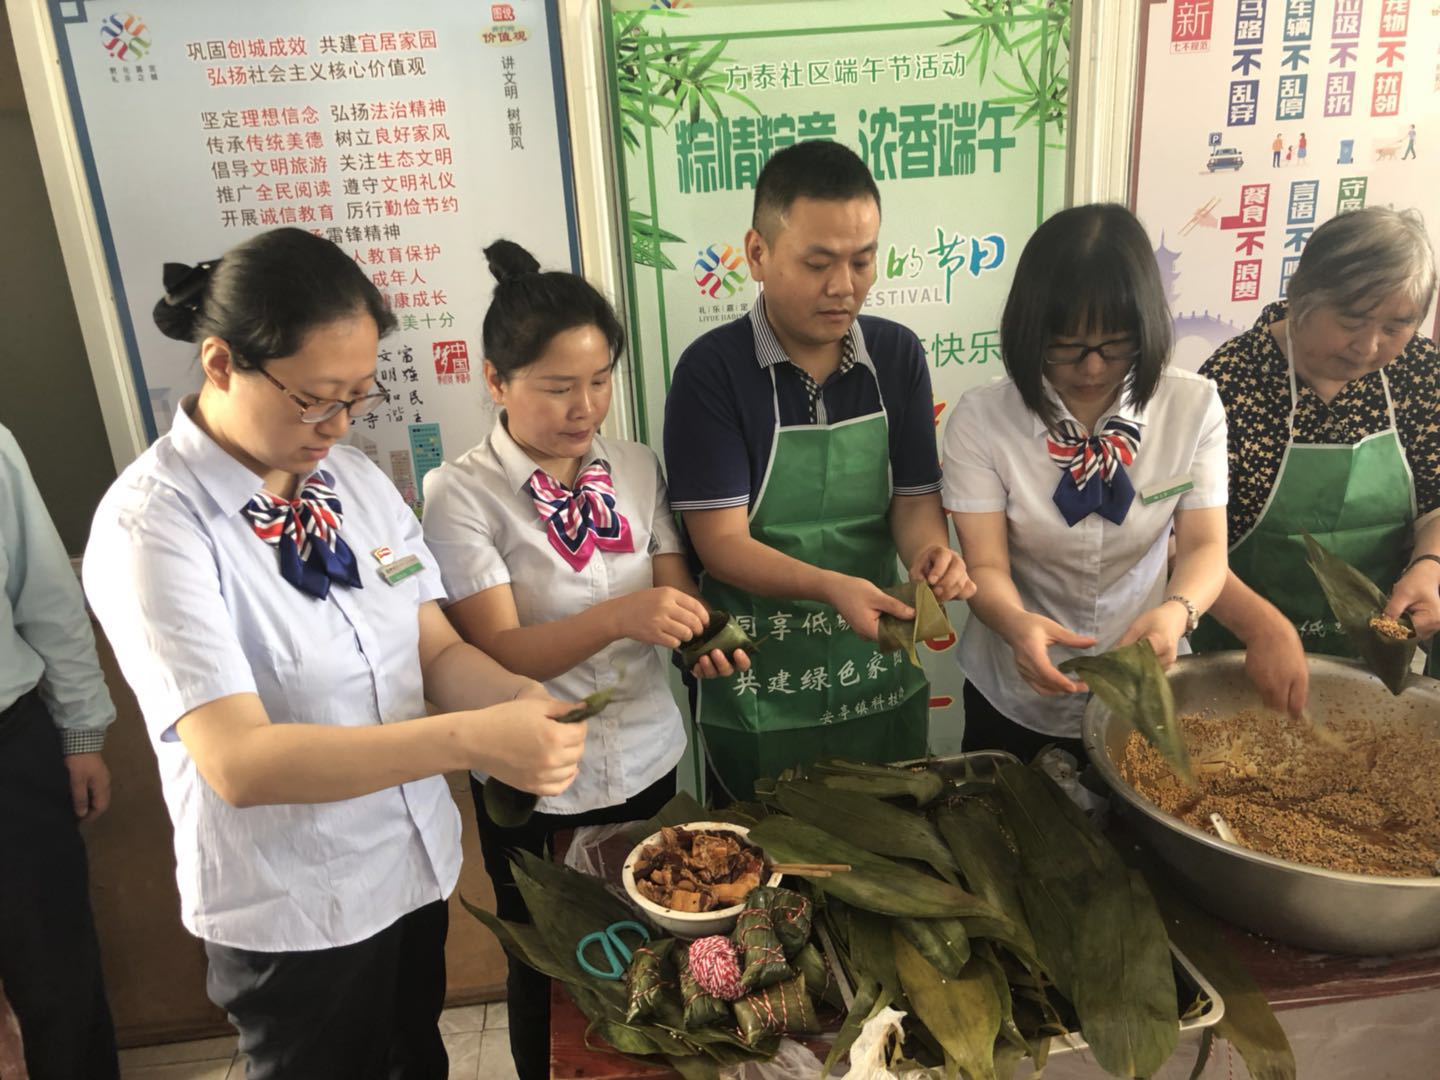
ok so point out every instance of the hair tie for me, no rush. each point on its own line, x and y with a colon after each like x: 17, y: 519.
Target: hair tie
x: 184, y: 284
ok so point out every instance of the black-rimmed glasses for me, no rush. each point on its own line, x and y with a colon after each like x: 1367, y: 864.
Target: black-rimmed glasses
x: 1120, y: 351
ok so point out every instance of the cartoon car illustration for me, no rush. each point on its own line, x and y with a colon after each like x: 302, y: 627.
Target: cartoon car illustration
x: 1225, y: 157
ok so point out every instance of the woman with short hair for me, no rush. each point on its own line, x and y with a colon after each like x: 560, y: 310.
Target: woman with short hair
x: 1333, y: 402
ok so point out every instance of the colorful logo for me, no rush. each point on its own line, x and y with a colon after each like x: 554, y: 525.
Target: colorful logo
x: 452, y: 361
x: 125, y: 39
x: 502, y: 13
x: 719, y: 271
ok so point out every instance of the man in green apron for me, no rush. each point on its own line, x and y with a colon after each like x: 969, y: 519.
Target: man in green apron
x: 800, y: 448
x: 1332, y: 403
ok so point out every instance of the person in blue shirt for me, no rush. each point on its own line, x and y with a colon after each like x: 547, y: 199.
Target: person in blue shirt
x: 800, y: 447
x: 54, y: 710
x: 272, y: 603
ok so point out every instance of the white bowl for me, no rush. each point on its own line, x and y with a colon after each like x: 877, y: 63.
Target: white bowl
x: 687, y: 924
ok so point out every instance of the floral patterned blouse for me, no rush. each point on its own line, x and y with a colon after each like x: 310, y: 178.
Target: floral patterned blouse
x: 1252, y: 375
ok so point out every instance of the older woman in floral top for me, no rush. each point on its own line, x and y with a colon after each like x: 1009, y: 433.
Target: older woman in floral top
x: 1333, y: 403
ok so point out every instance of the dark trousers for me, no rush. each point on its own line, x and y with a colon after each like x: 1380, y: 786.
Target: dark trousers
x: 367, y: 1011
x: 49, y: 955
x: 987, y: 728
x: 528, y: 991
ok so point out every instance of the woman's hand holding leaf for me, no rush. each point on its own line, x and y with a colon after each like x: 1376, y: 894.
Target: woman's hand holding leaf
x: 521, y: 743
x: 1162, y: 626
x: 716, y: 665
x: 662, y: 616
x: 1417, y: 594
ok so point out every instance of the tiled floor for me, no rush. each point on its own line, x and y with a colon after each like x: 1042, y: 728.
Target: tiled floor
x: 476, y: 1036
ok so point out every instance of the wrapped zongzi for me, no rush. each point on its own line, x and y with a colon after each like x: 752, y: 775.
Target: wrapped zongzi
x: 763, y: 958
x: 701, y: 1009
x: 790, y: 915
x: 647, y: 979
x: 782, y: 1009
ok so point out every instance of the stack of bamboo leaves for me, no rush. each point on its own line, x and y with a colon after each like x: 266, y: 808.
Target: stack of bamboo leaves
x: 990, y: 910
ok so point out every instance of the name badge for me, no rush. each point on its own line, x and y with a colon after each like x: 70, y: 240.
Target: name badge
x: 395, y: 570
x: 1168, y: 490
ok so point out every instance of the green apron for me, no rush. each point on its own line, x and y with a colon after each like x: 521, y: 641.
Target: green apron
x: 1357, y: 500
x: 816, y: 689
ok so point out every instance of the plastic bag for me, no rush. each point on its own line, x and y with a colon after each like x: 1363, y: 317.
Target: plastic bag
x: 594, y: 850
x: 1061, y: 766
x: 791, y: 1062
x: 875, y: 1046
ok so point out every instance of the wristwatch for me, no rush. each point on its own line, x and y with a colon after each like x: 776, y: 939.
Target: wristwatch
x: 1418, y: 560
x: 1192, y: 617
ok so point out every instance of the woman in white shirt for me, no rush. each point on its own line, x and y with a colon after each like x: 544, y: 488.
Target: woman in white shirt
x: 256, y: 582
x: 1067, y: 479
x: 562, y: 560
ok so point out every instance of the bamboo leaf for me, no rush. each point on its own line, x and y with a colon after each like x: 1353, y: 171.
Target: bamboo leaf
x: 1125, y: 984
x: 962, y: 1014
x: 684, y: 810
x: 943, y: 942
x: 1354, y: 600
x: 873, y: 954
x: 1249, y: 1022
x: 510, y: 807
x: 991, y: 869
x: 520, y: 940
x: 923, y: 785
x: 1132, y: 684
x: 565, y: 905
x: 704, y: 63
x: 873, y: 882
x: 876, y: 826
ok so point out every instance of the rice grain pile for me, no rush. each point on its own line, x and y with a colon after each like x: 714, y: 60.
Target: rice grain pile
x: 1362, y: 802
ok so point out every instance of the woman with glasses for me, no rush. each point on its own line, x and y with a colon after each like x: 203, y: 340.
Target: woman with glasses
x: 1333, y: 398
x: 271, y: 602
x: 1067, y: 479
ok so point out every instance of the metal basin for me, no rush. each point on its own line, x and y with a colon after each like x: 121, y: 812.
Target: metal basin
x: 1326, y: 910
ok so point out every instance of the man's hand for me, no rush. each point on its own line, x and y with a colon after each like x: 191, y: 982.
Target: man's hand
x: 861, y: 603
x: 89, y: 785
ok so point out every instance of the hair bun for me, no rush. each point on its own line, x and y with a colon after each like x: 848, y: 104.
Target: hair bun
x: 508, y: 261
x: 177, y: 312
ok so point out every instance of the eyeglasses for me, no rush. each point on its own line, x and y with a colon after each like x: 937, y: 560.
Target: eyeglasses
x: 1120, y: 351
x: 317, y: 412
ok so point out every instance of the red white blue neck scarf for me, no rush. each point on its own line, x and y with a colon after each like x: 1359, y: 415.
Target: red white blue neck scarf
x: 582, y: 518
x: 305, y: 531
x: 1094, y: 478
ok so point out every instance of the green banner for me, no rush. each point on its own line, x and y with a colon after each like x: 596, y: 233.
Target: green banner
x: 959, y: 110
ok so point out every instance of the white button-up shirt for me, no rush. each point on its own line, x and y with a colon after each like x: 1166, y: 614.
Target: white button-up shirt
x: 194, y: 605
x: 1097, y: 577
x: 482, y: 525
